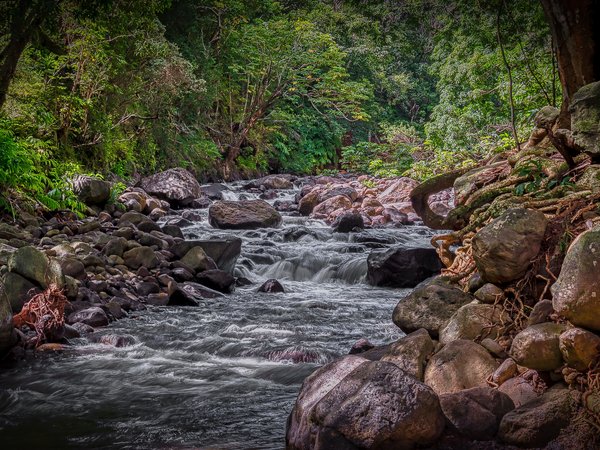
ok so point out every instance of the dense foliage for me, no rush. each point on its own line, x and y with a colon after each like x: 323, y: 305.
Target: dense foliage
x: 233, y: 88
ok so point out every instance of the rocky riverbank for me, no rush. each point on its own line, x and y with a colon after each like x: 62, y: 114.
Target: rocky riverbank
x: 503, y: 349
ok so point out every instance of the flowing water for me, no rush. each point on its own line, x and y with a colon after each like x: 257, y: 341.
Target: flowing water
x: 221, y: 375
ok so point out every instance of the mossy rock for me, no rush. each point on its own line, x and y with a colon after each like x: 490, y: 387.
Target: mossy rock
x: 585, y: 118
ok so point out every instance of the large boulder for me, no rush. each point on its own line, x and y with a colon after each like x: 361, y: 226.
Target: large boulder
x: 410, y: 353
x: 576, y: 292
x: 177, y: 186
x: 472, y: 321
x: 504, y: 249
x: 354, y: 403
x: 36, y: 266
x: 243, y: 214
x: 402, y: 266
x: 585, y: 118
x: 476, y: 413
x: 430, y: 305
x: 459, y: 365
x: 224, y: 252
x: 537, y: 346
x: 91, y: 191
x: 537, y: 422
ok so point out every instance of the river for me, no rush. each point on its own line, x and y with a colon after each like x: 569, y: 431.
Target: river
x: 221, y: 375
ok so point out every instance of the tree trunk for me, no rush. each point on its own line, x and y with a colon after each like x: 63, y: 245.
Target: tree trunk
x: 23, y: 25
x: 576, y: 35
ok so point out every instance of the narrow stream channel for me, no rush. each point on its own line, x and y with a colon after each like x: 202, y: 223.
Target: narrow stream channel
x: 222, y: 375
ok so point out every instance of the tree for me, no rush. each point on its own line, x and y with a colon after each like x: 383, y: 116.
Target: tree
x: 23, y: 23
x: 576, y: 36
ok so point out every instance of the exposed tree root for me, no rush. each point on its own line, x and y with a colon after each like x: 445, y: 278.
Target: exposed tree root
x: 45, y: 314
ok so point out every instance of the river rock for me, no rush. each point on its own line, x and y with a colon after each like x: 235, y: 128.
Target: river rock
x: 177, y: 186
x: 410, y: 353
x: 576, y: 292
x: 216, y: 279
x: 541, y: 312
x: 34, y: 265
x: 398, y: 192
x: 214, y: 191
x: 537, y: 346
x: 271, y: 286
x: 188, y: 294
x: 459, y: 365
x: 244, y: 214
x: 140, y: 257
x: 73, y: 267
x: 18, y: 290
x: 308, y: 202
x: 114, y: 340
x: 91, y: 191
x: 224, y: 252
x: 402, y: 266
x: 196, y: 259
x: 579, y: 348
x: 361, y: 346
x: 274, y: 182
x: 507, y: 370
x: 476, y: 413
x: 6, y: 251
x: 133, y: 201
x: 537, y: 422
x: 585, y: 118
x: 336, y: 190
x: 324, y: 209
x: 94, y: 317
x: 472, y: 321
x: 348, y: 222
x: 503, y: 250
x: 430, y: 306
x: 173, y: 231
x: 116, y: 246
x: 7, y: 333
x: 359, y: 404
x: 133, y: 217
x: 9, y: 232
x: 489, y: 293
x: 81, y: 328
x: 520, y: 390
